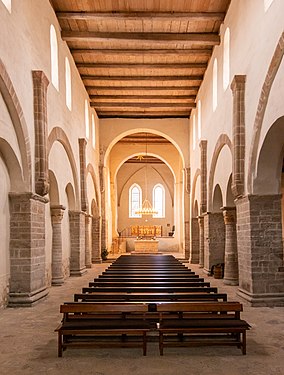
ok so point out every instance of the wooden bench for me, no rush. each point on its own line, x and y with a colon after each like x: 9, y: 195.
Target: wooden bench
x: 149, y: 297
x: 202, y: 323
x: 152, y: 284
x: 134, y: 289
x: 98, y: 325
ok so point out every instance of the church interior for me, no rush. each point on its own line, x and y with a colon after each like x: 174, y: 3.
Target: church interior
x: 130, y: 128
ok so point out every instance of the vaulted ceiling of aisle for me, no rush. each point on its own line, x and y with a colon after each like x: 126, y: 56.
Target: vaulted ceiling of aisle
x: 141, y: 58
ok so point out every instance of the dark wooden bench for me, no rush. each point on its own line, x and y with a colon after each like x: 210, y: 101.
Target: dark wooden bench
x: 149, y: 297
x: 145, y: 290
x: 202, y: 323
x: 152, y: 284
x: 102, y: 324
x: 149, y: 276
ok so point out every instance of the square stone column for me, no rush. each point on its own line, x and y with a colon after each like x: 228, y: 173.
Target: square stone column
x: 260, y: 250
x: 214, y: 240
x: 96, y: 240
x: 194, y: 250
x: 77, y: 239
x: 28, y: 282
x: 201, y: 241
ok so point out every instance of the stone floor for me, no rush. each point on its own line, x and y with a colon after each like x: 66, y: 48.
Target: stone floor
x: 29, y: 343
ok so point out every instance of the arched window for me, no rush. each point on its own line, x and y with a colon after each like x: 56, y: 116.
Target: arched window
x: 215, y: 85
x: 135, y: 200
x: 93, y: 131
x: 159, y: 200
x: 226, y: 59
x: 54, y: 57
x: 68, y: 84
x: 87, y: 124
x: 193, y: 132
x: 8, y: 5
x: 199, y: 118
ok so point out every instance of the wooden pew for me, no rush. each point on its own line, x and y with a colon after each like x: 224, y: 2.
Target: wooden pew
x: 149, y: 297
x: 93, y: 324
x: 146, y: 290
x: 151, y: 284
x: 202, y: 323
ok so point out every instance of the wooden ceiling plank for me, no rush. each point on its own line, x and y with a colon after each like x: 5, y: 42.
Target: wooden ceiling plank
x: 142, y: 66
x: 141, y: 105
x: 116, y: 97
x: 200, y: 38
x: 137, y: 52
x: 141, y: 88
x: 142, y: 16
x: 142, y: 78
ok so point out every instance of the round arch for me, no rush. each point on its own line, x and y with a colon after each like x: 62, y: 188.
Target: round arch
x: 13, y: 166
x: 90, y: 169
x: 58, y: 134
x: 196, y: 175
x: 222, y: 141
x: 261, y: 109
x: 269, y: 166
x: 12, y: 102
x: 142, y: 130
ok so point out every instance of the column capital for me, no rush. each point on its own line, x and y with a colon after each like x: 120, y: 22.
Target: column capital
x: 229, y: 214
x: 57, y: 212
x: 40, y: 78
x: 238, y: 82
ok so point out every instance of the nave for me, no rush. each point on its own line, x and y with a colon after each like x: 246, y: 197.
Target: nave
x: 38, y: 352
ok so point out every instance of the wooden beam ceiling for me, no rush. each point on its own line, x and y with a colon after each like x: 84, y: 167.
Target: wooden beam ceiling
x: 143, y: 59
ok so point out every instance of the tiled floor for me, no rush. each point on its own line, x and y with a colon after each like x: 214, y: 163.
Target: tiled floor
x: 29, y: 343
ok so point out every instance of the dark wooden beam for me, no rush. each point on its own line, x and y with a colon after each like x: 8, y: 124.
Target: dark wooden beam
x: 166, y: 97
x: 143, y: 116
x: 141, y: 66
x: 89, y: 36
x: 142, y: 16
x: 142, y: 78
x: 142, y: 88
x: 142, y: 105
x: 138, y: 52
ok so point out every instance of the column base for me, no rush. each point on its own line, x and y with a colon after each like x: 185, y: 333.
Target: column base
x: 97, y: 260
x: 262, y: 299
x: 89, y: 265
x: 27, y: 299
x: 57, y: 281
x: 207, y: 271
x: 80, y: 272
x: 232, y: 282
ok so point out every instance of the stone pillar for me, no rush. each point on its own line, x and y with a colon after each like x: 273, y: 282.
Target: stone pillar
x: 231, y: 273
x: 77, y: 243
x: 88, y: 255
x: 96, y: 240
x: 194, y: 253
x: 238, y: 90
x: 186, y: 213
x: 57, y: 277
x: 28, y: 282
x: 40, y: 83
x: 83, y: 174
x: 260, y: 250
x: 201, y: 241
x: 103, y: 203
x: 203, y: 176
x: 214, y: 240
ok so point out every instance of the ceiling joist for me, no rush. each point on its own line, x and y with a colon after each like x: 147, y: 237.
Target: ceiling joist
x: 166, y: 97
x: 141, y: 66
x: 147, y: 51
x: 110, y: 37
x: 142, y: 16
x: 142, y: 78
x: 141, y: 105
x: 142, y: 88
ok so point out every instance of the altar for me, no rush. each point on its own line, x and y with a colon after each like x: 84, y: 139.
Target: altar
x: 146, y: 246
